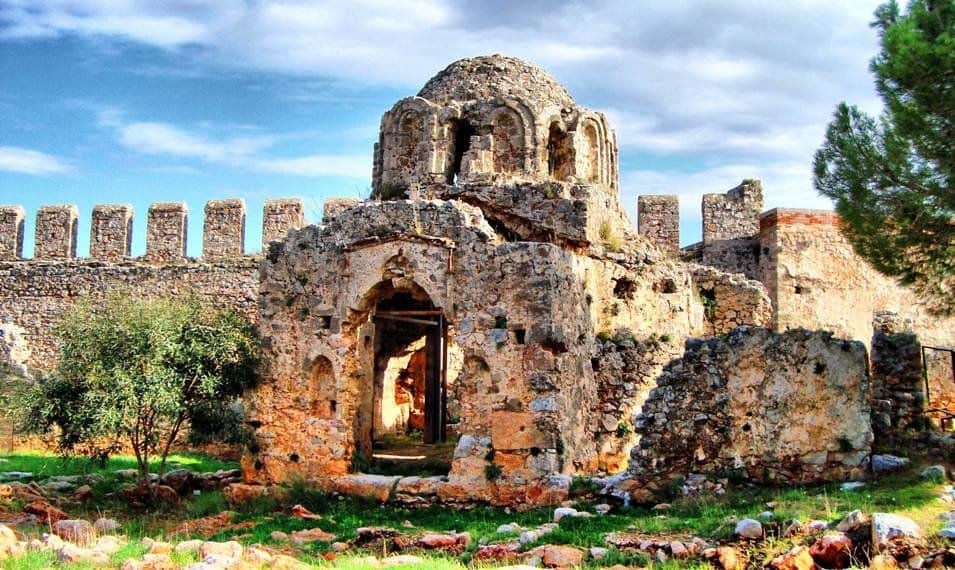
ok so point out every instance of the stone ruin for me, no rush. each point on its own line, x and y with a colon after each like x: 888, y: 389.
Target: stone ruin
x: 492, y: 294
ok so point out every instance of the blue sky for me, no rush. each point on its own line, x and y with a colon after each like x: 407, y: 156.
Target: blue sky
x: 119, y: 101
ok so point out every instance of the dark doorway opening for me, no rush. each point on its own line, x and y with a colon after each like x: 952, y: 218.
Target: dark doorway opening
x: 461, y: 133
x: 409, y: 430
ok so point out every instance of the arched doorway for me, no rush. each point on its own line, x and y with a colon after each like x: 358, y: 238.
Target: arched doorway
x: 408, y: 360
x: 560, y: 153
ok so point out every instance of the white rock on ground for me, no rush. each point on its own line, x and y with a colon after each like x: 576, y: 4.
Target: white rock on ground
x: 853, y: 521
x: 934, y: 473
x: 886, y: 526
x: 888, y: 463
x: 749, y: 528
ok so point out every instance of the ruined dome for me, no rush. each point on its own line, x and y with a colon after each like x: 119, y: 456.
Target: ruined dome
x: 491, y: 76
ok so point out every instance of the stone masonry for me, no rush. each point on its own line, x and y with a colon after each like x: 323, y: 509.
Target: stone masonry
x: 11, y: 232
x: 223, y: 233
x: 279, y: 216
x: 56, y: 232
x: 111, y: 232
x: 166, y: 231
x: 658, y: 218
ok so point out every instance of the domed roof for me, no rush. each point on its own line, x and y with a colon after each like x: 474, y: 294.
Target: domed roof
x: 490, y: 76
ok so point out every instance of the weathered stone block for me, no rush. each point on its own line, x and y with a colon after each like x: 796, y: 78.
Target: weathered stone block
x: 279, y: 216
x: 111, y: 232
x: 223, y: 231
x: 166, y: 232
x: 334, y: 206
x: 56, y: 228
x: 11, y: 232
x: 516, y: 430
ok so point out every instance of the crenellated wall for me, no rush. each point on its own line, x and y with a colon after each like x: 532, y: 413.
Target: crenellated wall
x: 34, y: 293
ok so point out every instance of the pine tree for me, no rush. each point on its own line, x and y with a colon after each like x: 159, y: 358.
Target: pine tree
x: 892, y: 177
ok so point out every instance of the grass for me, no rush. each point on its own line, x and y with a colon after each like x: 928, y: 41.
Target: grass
x: 44, y: 465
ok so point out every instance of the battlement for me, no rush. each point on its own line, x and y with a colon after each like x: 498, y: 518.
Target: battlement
x: 111, y: 230
x: 734, y: 214
x: 658, y: 218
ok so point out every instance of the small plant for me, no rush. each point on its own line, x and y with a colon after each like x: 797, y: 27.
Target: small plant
x: 845, y: 446
x: 623, y: 429
x: 551, y: 190
x: 708, y: 299
x: 614, y: 243
x: 583, y: 486
x: 492, y: 471
x: 604, y: 336
x: 665, y: 337
x: 489, y: 456
x: 605, y: 231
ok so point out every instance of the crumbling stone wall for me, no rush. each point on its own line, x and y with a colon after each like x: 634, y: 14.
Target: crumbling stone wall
x: 729, y: 300
x: 11, y: 232
x: 778, y: 408
x: 816, y: 281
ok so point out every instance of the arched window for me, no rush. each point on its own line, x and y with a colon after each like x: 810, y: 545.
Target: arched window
x: 322, y: 389
x: 459, y: 135
x: 560, y: 153
x: 591, y: 154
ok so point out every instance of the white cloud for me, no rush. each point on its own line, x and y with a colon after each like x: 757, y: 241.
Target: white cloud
x: 161, y: 138
x: 319, y: 165
x: 26, y: 161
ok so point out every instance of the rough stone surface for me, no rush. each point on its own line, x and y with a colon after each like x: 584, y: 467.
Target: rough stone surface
x: 111, y: 232
x: 779, y: 407
x: 658, y: 219
x: 887, y: 527
x: 223, y: 232
x: 166, y: 232
x: 56, y: 228
x: 749, y: 528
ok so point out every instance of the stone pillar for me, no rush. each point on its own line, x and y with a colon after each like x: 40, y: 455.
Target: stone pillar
x: 11, y: 232
x: 166, y: 231
x: 280, y: 216
x: 334, y: 206
x: 111, y: 232
x: 55, y: 236
x: 223, y: 231
x: 658, y: 218
x: 898, y: 386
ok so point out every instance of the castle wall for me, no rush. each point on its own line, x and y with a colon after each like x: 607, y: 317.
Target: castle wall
x: 34, y: 293
x: 816, y: 281
x: 731, y: 227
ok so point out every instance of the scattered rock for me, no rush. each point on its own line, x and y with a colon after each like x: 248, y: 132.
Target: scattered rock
x: 679, y: 550
x: 231, y: 549
x: 509, y: 528
x: 45, y: 512
x: 438, y: 541
x: 598, y: 553
x: 367, y: 534
x: 749, y: 528
x: 662, y: 507
x: 883, y: 562
x: 77, y: 531
x: 728, y: 558
x: 562, y: 512
x: 497, y: 552
x: 765, y: 515
x: 298, y: 511
x: 402, y: 560
x: 888, y: 463
x: 311, y: 535
x: 279, y: 536
x: 602, y: 508
x: 832, y: 551
x: 947, y: 532
x: 887, y: 527
x: 796, y: 559
x: 241, y: 493
x: 935, y: 473
x: 560, y: 556
x: 339, y: 546
x: 536, y: 534
x: 852, y: 485
x: 853, y: 521
x: 104, y: 525
x: 188, y: 546
x: 257, y: 556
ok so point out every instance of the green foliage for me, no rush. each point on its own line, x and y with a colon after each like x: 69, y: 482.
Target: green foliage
x: 893, y: 177
x: 138, y: 373
x: 492, y: 471
x: 623, y: 428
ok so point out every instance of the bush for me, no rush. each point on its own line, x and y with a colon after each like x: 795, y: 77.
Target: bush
x: 139, y: 373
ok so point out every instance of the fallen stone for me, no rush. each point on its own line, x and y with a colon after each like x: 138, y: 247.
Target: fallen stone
x: 8, y: 538
x: 536, y: 534
x: 366, y: 534
x: 257, y: 556
x: 560, y: 556
x: 108, y: 544
x: 311, y: 535
x: 852, y: 485
x: 241, y: 493
x: 749, y: 528
x: 562, y: 512
x: 883, y: 562
x: 888, y: 463
x: 935, y: 473
x: 159, y: 548
x: 72, y: 554
x: 796, y: 559
x: 77, y: 531
x: 509, y: 528
x: 231, y: 549
x: 679, y: 550
x: 728, y: 558
x: 765, y: 515
x: 298, y: 511
x: 887, y: 527
x: 497, y: 552
x: 598, y: 552
x: 45, y: 512
x: 853, y: 521
x: 339, y: 546
x: 105, y: 526
x: 602, y: 508
x: 947, y: 532
x: 832, y: 551
x: 188, y: 546
x: 279, y: 536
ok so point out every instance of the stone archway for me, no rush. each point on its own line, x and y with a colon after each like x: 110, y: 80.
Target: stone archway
x: 404, y: 351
